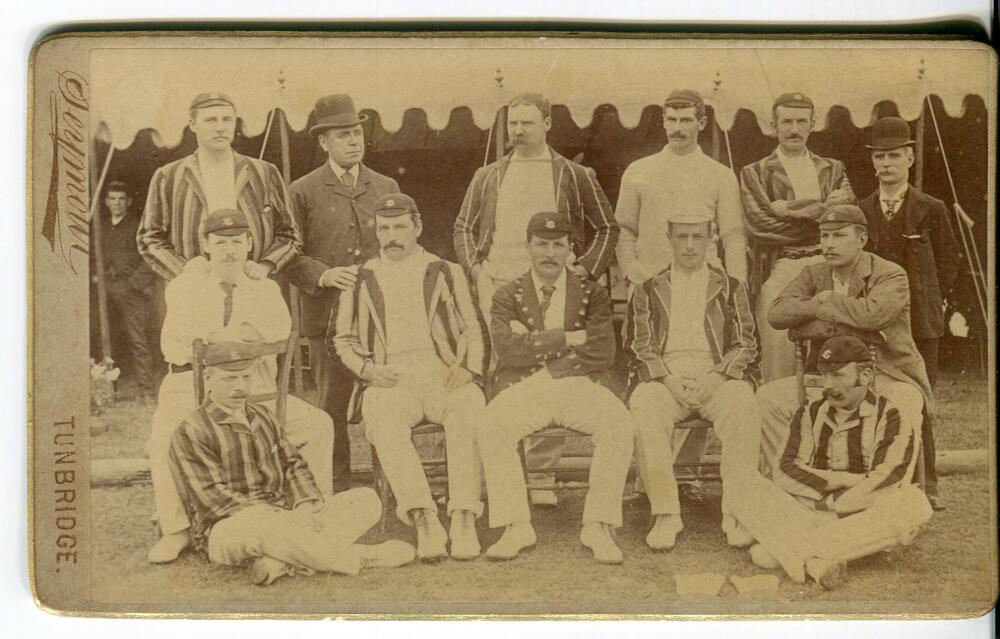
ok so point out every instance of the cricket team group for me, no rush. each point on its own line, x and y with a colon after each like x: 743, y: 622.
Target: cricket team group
x: 519, y: 336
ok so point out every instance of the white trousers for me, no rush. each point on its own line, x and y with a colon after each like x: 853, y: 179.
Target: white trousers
x: 793, y: 532
x: 777, y: 353
x: 655, y: 411
x: 307, y: 428
x: 777, y: 402
x: 541, y: 452
x: 324, y: 542
x: 571, y: 402
x: 390, y: 413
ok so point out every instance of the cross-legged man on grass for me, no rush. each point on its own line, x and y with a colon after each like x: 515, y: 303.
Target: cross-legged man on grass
x: 250, y: 495
x: 842, y: 487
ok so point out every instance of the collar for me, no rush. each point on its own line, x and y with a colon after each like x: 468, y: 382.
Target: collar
x: 418, y: 256
x: 339, y: 171
x: 222, y: 415
x: 545, y: 156
x: 691, y: 155
x: 116, y: 221
x: 897, y: 198
x: 785, y: 158
x: 202, y: 156
x: 241, y: 279
x: 694, y: 276
x: 560, y: 282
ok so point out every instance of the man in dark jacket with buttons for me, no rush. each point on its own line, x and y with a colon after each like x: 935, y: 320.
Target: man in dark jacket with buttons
x: 334, y: 206
x: 911, y: 228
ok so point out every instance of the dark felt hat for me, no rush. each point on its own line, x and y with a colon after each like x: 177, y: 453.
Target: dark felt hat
x: 335, y: 112
x: 890, y: 133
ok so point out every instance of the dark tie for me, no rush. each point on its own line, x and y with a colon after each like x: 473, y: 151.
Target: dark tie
x: 890, y: 208
x: 547, y: 292
x: 348, y: 179
x: 227, y: 303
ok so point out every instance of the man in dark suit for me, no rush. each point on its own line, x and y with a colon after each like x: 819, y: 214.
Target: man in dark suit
x: 910, y: 228
x: 555, y: 348
x: 334, y: 207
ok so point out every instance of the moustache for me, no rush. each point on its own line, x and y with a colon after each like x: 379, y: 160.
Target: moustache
x: 678, y: 136
x: 830, y: 393
x: 393, y: 244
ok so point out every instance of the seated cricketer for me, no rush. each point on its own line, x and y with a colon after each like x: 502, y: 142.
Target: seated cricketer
x: 842, y: 487
x: 691, y: 338
x: 857, y: 289
x: 555, y: 348
x: 200, y: 303
x: 409, y: 331
x: 250, y: 495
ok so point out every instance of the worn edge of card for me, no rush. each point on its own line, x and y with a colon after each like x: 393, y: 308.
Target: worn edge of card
x: 85, y: 41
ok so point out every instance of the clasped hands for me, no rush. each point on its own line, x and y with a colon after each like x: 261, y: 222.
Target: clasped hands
x: 694, y: 391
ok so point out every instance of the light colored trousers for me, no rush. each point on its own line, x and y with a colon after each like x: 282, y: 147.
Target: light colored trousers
x: 542, y: 452
x: 777, y: 402
x: 571, y: 402
x: 390, y: 413
x: 777, y: 353
x: 324, y: 542
x: 792, y: 531
x: 655, y: 411
x: 307, y: 428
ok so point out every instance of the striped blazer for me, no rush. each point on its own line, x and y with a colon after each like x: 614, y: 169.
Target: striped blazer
x: 766, y: 181
x: 842, y: 466
x: 169, y: 234
x: 358, y: 332
x: 729, y: 327
x: 594, y: 232
x: 222, y: 464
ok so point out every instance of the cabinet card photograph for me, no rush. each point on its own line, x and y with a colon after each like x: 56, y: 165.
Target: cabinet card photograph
x: 478, y: 325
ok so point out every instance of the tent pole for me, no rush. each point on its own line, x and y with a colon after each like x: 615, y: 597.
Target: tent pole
x: 95, y: 221
x: 501, y: 137
x: 918, y: 166
x: 293, y: 293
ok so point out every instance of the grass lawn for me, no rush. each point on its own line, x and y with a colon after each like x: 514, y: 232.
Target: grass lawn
x: 947, y: 570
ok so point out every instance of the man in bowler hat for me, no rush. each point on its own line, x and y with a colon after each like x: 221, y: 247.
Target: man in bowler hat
x: 334, y: 206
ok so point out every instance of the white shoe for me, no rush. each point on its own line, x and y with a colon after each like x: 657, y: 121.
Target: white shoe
x: 168, y: 548
x: 663, y: 535
x: 432, y: 540
x: 515, y: 538
x: 388, y: 554
x: 762, y: 558
x: 543, y: 498
x: 736, y: 534
x: 266, y: 570
x: 597, y: 536
x: 827, y: 573
x: 464, y: 540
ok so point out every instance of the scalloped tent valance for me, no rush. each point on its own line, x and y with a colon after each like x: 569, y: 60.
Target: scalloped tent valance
x: 136, y: 89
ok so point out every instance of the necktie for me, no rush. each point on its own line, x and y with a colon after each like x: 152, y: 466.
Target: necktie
x: 547, y: 292
x: 890, y: 208
x: 348, y: 179
x: 227, y: 303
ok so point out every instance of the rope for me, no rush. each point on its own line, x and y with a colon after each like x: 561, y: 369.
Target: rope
x: 489, y: 138
x: 963, y: 224
x: 267, y: 133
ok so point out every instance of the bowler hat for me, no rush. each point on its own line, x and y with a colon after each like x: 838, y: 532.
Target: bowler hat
x: 335, y: 112
x: 890, y: 133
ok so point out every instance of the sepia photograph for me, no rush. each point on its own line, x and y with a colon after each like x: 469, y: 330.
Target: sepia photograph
x: 487, y: 325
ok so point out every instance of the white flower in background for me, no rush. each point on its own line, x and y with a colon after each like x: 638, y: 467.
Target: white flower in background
x: 958, y: 326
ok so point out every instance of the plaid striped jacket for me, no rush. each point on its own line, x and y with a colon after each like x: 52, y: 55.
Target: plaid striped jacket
x: 841, y: 466
x: 169, y: 234
x: 358, y: 332
x: 594, y: 231
x: 766, y: 181
x: 221, y: 465
x: 729, y: 327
